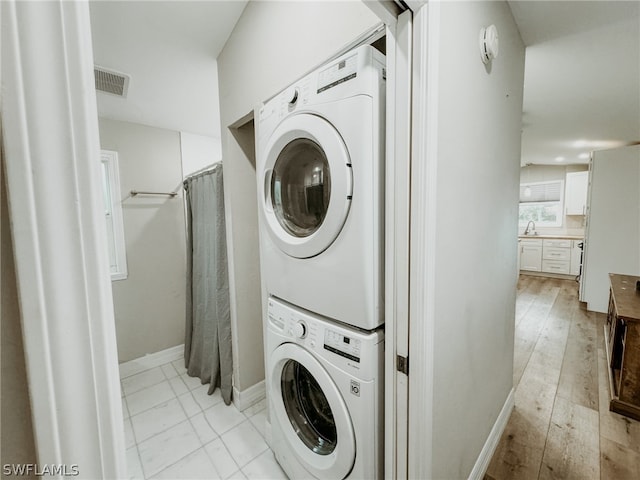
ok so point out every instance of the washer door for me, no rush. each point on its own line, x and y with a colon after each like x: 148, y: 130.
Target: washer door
x: 311, y: 413
x: 307, y: 185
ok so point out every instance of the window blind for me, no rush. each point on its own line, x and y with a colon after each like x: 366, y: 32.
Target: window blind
x: 541, y: 192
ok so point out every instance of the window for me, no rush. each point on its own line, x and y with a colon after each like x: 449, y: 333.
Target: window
x: 542, y: 203
x: 113, y: 214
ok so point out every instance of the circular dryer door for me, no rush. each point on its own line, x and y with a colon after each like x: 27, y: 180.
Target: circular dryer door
x: 311, y: 413
x: 307, y: 185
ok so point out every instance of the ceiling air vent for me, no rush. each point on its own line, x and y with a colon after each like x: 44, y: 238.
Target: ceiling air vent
x: 112, y: 82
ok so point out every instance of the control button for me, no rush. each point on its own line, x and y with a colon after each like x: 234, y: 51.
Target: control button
x: 292, y: 95
x: 300, y: 330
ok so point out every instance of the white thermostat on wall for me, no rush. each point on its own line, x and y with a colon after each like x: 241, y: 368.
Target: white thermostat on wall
x: 488, y: 43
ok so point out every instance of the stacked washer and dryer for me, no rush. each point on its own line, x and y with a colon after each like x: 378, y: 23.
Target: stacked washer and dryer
x: 320, y: 172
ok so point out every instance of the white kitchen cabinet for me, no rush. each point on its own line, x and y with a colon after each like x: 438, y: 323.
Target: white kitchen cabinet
x: 531, y: 255
x: 555, y: 266
x: 556, y: 243
x: 556, y: 255
x: 549, y: 255
x: 575, y: 198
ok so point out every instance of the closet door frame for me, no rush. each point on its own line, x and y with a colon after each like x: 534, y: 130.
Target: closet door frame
x: 52, y: 161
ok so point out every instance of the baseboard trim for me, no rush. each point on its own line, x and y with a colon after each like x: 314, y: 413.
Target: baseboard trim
x: 151, y: 360
x: 482, y: 463
x: 252, y: 395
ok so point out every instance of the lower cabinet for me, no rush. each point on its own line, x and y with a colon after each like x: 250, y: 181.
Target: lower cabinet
x: 561, y: 256
x: 554, y: 266
x: 556, y: 256
x: 531, y: 255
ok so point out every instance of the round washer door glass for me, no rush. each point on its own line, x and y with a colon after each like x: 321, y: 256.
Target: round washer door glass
x: 314, y: 422
x: 306, y: 186
x: 301, y: 187
x: 308, y: 409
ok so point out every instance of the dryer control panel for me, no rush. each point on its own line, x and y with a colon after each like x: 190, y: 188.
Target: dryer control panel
x: 359, y: 72
x: 338, y: 73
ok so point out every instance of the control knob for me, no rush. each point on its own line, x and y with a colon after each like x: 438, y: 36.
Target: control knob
x: 292, y: 96
x: 300, y: 330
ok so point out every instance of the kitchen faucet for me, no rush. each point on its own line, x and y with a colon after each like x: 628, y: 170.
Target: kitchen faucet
x: 526, y: 230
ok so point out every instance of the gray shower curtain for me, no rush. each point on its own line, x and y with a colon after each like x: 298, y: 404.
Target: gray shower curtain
x: 207, y: 346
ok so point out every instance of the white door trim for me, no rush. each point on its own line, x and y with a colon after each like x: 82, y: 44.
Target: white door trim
x: 423, y: 235
x: 52, y: 161
x: 397, y: 192
x: 399, y: 45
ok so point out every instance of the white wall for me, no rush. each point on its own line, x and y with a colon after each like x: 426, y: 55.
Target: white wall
x: 150, y: 304
x: 198, y: 152
x: 273, y: 44
x: 475, y: 114
x: 613, y: 232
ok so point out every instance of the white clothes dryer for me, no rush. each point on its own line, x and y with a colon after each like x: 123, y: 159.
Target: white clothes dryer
x: 320, y: 173
x: 325, y: 396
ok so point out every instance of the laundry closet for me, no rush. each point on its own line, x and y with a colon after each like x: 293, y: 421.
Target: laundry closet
x: 461, y: 110
x: 320, y: 180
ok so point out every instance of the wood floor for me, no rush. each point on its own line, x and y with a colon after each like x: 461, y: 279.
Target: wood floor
x: 561, y: 427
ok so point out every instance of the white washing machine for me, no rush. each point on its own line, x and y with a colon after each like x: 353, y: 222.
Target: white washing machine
x: 320, y: 172
x: 325, y: 396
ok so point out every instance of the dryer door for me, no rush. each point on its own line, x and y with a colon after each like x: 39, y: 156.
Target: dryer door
x: 307, y: 185
x: 311, y: 412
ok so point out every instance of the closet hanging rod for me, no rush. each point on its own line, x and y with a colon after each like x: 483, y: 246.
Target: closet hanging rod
x: 138, y: 192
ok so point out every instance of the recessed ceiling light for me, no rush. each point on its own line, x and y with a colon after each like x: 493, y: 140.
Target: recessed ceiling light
x: 559, y: 159
x: 584, y: 156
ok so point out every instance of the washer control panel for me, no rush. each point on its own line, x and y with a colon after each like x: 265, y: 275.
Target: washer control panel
x: 292, y: 325
x: 355, y: 351
x: 343, y: 345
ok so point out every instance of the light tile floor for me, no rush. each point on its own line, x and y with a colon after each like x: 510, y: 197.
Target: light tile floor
x: 174, y: 430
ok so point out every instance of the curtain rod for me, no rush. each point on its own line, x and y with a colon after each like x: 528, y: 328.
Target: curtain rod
x: 207, y: 169
x: 137, y: 192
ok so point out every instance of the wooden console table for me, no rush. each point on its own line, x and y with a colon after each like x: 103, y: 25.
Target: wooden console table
x: 622, y: 342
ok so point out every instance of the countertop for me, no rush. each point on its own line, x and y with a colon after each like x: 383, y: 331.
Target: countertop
x: 625, y: 296
x: 555, y: 237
